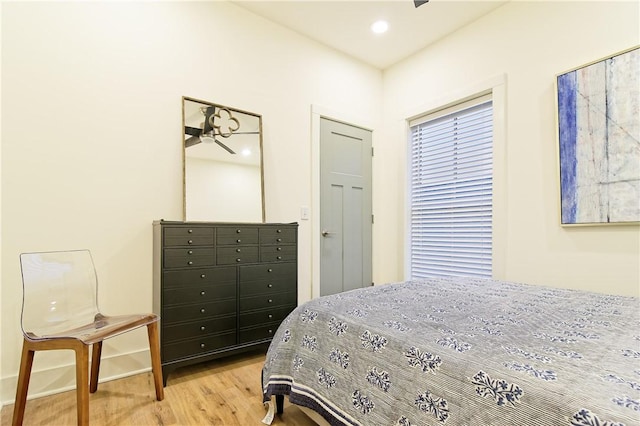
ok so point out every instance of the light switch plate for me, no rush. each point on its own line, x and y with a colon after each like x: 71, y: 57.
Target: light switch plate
x: 304, y: 213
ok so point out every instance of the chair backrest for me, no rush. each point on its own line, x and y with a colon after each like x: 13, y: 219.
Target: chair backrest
x: 59, y: 291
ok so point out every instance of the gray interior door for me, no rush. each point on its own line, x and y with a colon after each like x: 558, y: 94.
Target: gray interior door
x: 345, y: 207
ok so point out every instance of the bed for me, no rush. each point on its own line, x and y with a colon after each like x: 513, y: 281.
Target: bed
x: 460, y: 351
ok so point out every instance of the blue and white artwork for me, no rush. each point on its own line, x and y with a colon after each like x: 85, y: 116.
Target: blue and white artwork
x: 599, y: 137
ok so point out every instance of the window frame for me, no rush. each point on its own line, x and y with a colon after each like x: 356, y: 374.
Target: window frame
x: 472, y: 245
x: 496, y: 86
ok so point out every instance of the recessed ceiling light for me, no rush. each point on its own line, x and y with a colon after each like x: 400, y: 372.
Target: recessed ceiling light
x: 379, y: 27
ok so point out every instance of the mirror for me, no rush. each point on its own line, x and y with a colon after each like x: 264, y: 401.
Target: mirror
x: 223, y: 178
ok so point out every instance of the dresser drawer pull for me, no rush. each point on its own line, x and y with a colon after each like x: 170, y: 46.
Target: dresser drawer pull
x: 202, y: 310
x: 270, y: 316
x: 238, y: 240
x: 269, y: 285
x: 190, y: 252
x: 202, y: 328
x: 238, y: 231
x: 270, y: 331
x: 190, y: 242
x: 189, y: 263
x: 202, y: 345
x: 279, y: 257
x: 279, y: 231
x: 269, y: 270
x: 270, y: 300
x: 279, y: 240
x: 203, y: 276
x: 238, y: 260
x: 238, y: 250
x: 279, y: 249
x: 202, y: 293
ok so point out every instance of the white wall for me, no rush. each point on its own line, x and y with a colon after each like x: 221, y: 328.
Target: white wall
x: 1, y: 399
x: 92, y: 139
x: 526, y: 44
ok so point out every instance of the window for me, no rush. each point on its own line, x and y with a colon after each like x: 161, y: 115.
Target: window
x: 451, y: 191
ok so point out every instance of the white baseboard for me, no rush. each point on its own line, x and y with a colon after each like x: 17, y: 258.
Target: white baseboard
x: 61, y: 378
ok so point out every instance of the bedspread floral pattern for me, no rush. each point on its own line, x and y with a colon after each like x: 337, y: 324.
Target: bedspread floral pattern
x: 461, y: 351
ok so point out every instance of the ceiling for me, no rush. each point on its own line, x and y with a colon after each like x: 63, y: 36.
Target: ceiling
x: 345, y: 25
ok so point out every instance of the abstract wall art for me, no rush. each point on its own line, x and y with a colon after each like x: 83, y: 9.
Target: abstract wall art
x: 599, y: 141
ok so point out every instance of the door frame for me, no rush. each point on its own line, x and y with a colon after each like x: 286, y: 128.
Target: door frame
x: 318, y: 112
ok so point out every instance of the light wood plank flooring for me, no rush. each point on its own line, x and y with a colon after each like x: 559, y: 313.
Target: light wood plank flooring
x: 221, y: 392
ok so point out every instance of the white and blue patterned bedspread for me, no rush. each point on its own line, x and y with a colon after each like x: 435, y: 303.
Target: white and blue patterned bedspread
x: 461, y: 351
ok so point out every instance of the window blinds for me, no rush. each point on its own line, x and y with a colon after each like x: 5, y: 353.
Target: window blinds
x: 451, y: 192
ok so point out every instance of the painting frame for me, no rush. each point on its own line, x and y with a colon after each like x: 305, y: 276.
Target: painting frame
x: 598, y: 141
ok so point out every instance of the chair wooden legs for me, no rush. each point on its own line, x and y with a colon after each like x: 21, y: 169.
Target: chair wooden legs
x: 96, y: 353
x: 82, y: 375
x: 82, y: 382
x: 23, y: 384
x: 82, y: 371
x: 154, y: 348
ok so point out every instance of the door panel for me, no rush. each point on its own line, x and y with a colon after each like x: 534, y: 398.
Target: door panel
x: 354, y: 235
x: 345, y: 207
x: 331, y: 245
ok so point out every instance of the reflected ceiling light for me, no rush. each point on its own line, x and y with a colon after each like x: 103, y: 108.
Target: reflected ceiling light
x: 207, y: 138
x: 380, y: 27
x: 246, y: 152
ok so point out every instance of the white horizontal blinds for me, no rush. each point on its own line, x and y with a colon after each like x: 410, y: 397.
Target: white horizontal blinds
x: 451, y: 193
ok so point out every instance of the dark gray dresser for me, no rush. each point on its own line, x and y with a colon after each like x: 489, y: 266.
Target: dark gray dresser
x: 221, y: 288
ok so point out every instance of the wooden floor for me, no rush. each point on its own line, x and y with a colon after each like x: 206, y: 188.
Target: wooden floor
x: 220, y: 392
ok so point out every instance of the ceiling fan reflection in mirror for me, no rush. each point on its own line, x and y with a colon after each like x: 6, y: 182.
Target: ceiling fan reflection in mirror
x: 218, y: 121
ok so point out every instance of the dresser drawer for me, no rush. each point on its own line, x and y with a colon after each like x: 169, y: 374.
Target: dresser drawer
x: 258, y: 333
x: 237, y: 255
x: 267, y: 271
x: 191, y: 277
x: 267, y: 300
x: 203, y: 293
x: 236, y: 235
x: 188, y: 236
x: 202, y: 328
x: 173, y: 314
x: 278, y: 253
x: 194, y: 347
x: 188, y: 257
x: 273, y: 285
x: 255, y: 318
x: 277, y: 235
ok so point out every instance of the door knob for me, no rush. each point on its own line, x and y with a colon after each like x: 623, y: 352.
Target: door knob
x: 326, y: 233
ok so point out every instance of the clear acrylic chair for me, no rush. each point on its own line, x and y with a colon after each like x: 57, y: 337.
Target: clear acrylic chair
x: 60, y: 311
